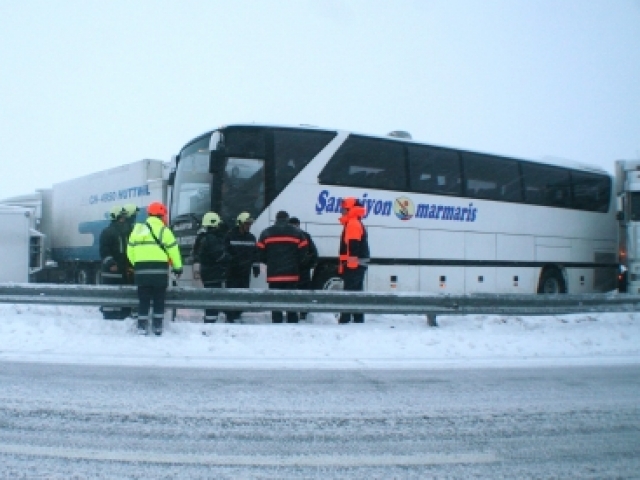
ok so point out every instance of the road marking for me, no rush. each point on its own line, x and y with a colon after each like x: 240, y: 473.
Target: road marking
x: 252, y: 460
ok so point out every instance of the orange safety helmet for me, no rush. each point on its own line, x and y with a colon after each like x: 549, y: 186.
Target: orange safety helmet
x: 157, y: 209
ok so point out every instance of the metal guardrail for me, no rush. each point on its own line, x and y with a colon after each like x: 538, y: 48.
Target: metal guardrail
x: 325, y: 301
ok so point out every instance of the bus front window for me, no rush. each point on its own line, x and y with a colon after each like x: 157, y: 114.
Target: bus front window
x: 192, y: 187
x: 242, y: 188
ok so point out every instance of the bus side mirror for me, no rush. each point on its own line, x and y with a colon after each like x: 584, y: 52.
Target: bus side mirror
x: 620, y: 216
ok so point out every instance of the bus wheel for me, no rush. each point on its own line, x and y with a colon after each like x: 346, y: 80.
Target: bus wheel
x: 328, y: 279
x: 552, y: 282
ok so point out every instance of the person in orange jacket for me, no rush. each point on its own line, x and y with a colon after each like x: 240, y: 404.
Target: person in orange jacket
x: 354, y: 252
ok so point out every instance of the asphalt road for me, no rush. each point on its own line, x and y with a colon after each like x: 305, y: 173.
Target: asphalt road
x: 70, y: 421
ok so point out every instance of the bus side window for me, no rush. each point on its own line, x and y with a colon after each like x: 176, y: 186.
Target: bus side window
x: 534, y: 196
x: 591, y: 192
x: 367, y: 162
x: 545, y: 185
x: 492, y: 178
x: 358, y: 179
x: 434, y: 170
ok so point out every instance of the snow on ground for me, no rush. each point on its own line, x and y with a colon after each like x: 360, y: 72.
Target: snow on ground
x: 79, y: 335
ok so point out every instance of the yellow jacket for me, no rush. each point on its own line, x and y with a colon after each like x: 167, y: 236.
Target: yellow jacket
x: 149, y: 259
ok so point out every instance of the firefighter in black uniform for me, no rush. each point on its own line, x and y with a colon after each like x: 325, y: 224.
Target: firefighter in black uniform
x: 113, y: 253
x: 308, y: 263
x: 210, y: 258
x: 282, y: 248
x: 241, y: 245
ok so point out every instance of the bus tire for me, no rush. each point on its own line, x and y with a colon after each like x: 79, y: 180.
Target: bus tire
x: 327, y: 277
x: 552, y: 282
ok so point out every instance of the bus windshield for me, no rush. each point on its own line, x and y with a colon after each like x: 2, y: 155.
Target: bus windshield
x: 239, y: 187
x: 192, y: 186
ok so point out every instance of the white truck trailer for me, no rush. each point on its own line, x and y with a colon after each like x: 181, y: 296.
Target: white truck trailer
x: 72, y: 214
x: 22, y: 246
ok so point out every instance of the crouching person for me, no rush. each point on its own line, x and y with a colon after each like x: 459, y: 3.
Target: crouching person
x: 152, y: 248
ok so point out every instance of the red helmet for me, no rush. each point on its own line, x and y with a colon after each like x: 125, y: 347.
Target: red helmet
x: 157, y: 209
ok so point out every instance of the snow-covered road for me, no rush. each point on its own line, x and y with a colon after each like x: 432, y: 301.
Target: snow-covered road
x: 87, y: 421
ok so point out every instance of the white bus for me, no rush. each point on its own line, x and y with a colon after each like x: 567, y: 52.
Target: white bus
x: 439, y: 219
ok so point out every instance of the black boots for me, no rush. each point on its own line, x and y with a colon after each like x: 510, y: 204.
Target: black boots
x: 143, y: 324
x: 157, y: 324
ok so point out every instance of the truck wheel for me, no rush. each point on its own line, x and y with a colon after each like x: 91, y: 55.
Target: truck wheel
x: 552, y: 282
x: 328, y: 279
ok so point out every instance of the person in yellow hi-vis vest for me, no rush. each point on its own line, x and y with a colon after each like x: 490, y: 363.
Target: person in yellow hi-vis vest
x: 152, y: 250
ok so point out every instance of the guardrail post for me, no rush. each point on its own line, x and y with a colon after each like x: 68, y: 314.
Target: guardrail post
x: 431, y: 320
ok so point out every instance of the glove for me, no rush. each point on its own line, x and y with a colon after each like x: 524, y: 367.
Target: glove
x: 256, y: 270
x: 177, y: 272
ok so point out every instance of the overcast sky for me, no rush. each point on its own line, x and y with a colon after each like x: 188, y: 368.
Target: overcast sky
x: 91, y: 84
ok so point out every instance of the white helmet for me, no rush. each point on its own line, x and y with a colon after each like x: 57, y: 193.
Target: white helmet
x: 211, y: 219
x: 131, y: 210
x: 116, y: 212
x: 244, y: 217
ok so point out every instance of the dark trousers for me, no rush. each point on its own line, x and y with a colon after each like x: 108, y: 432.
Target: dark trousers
x: 147, y: 295
x: 237, y: 282
x: 276, y: 316
x: 353, y: 279
x: 211, y: 314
